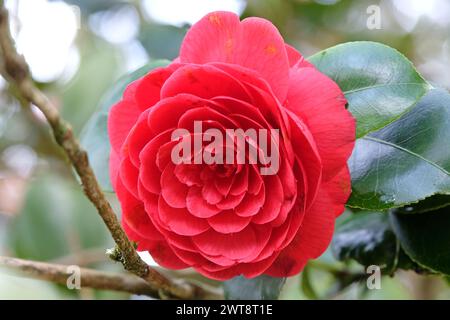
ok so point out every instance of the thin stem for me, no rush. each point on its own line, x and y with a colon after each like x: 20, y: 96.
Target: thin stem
x: 94, y: 279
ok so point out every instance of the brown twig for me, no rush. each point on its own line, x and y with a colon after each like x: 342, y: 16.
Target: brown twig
x: 94, y: 279
x: 15, y: 69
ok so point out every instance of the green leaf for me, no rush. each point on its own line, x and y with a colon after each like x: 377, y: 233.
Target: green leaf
x: 425, y: 238
x: 306, y: 285
x: 259, y: 288
x: 367, y: 238
x: 162, y: 41
x: 407, y: 161
x: 380, y: 84
x: 94, y: 137
x: 96, y: 73
x: 429, y: 204
x: 56, y: 221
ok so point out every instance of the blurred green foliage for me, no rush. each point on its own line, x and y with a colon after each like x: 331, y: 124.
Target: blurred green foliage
x: 44, y: 211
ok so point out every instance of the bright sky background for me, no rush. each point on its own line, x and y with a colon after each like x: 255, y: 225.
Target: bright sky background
x: 46, y: 30
x: 46, y: 34
x: 179, y: 12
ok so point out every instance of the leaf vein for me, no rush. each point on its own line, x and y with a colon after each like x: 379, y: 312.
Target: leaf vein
x: 395, y: 146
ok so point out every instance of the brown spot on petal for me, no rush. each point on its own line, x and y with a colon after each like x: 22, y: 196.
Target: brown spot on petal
x: 215, y: 19
x: 190, y: 75
x: 229, y: 46
x: 271, y: 49
x: 344, y: 185
x: 125, y: 148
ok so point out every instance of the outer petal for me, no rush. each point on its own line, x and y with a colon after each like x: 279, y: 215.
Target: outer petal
x: 295, y: 58
x: 148, y: 88
x: 121, y: 119
x: 254, y: 43
x: 114, y: 164
x: 307, y: 155
x: 166, y: 257
x: 228, y: 222
x: 134, y: 215
x: 236, y: 245
x: 205, y: 81
x: 249, y: 270
x: 317, y: 228
x: 319, y: 102
x: 138, y: 96
x: 180, y: 221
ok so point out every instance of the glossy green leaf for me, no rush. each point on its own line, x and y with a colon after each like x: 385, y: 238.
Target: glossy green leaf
x: 56, y: 220
x: 306, y: 284
x: 161, y: 41
x: 425, y: 238
x: 407, y: 161
x: 96, y: 73
x: 259, y: 288
x: 380, y: 84
x: 367, y: 238
x: 429, y: 204
x: 94, y: 137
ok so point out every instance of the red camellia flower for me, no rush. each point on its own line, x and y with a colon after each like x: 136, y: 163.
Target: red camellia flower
x: 226, y: 220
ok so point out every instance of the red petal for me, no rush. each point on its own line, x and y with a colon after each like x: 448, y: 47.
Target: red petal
x: 134, y: 214
x: 173, y: 191
x: 319, y: 102
x: 121, y: 119
x: 204, y: 114
x: 149, y: 173
x: 274, y: 200
x: 240, y: 183
x: 180, y: 221
x: 198, y: 206
x: 316, y: 230
x: 114, y: 164
x: 235, y: 106
x: 166, y: 114
x: 196, y: 259
x: 228, y: 222
x: 339, y: 189
x: 223, y: 185
x: 296, y: 60
x: 204, y: 81
x: 129, y: 175
x: 147, y: 89
x: 249, y: 270
x: 210, y: 194
x: 143, y: 244
x: 254, y: 43
x: 230, y: 202
x: 139, y: 136
x: 166, y: 257
x: 308, y: 156
x: 251, y: 204
x: 189, y: 174
x: 236, y: 245
x: 255, y: 179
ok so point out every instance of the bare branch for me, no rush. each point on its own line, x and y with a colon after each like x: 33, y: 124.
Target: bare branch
x: 89, y: 278
x: 16, y: 70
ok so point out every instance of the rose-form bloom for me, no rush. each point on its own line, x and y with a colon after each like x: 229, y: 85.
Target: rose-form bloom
x: 226, y: 220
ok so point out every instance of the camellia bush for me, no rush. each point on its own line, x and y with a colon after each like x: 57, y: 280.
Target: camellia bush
x: 354, y: 132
